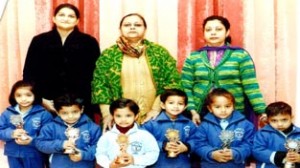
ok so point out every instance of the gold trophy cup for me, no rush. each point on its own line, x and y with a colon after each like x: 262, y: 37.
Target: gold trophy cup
x: 123, y: 142
x: 17, y: 120
x: 72, y: 135
x: 172, y: 136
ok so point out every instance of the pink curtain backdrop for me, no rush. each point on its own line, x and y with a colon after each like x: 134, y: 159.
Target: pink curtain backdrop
x: 267, y: 29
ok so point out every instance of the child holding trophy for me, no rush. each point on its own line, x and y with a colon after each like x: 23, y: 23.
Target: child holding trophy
x: 175, y: 134
x: 71, y: 138
x: 20, y: 124
x: 278, y: 143
x: 126, y: 145
x: 225, y: 135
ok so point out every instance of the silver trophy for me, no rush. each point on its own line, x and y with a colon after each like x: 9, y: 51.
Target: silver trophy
x: 226, y: 137
x: 291, y: 145
x: 17, y: 120
x: 72, y: 135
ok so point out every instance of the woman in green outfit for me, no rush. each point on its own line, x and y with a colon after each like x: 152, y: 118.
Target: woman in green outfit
x: 219, y: 65
x: 133, y: 68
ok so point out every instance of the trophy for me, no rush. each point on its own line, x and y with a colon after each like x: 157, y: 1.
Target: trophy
x: 173, y: 136
x: 291, y: 145
x: 17, y: 120
x: 226, y: 137
x: 123, y: 142
x: 72, y: 135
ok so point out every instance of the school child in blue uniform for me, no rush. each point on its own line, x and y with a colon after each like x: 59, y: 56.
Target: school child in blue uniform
x: 126, y: 145
x: 174, y: 132
x: 226, y: 136
x: 269, y: 147
x: 70, y: 149
x: 20, y: 124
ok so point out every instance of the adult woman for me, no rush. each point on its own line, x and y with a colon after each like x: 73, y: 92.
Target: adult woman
x: 134, y: 68
x: 63, y: 59
x: 220, y: 65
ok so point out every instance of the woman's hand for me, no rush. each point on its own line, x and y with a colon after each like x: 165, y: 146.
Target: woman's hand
x: 195, y: 117
x: 107, y: 122
x: 151, y: 115
x: 49, y: 105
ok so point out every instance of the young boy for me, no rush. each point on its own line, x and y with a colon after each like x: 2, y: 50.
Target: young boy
x: 125, y: 144
x: 270, y: 149
x: 174, y: 133
x: 72, y: 137
x: 225, y: 135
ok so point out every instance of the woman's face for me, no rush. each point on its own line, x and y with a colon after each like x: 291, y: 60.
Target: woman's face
x: 65, y: 19
x: 133, y: 28
x: 215, y: 33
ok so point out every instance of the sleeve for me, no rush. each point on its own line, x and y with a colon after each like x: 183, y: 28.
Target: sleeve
x: 193, y: 138
x: 150, y: 126
x: 46, y: 141
x: 260, y: 150
x: 5, y: 128
x: 89, y: 152
x: 102, y: 151
x: 151, y: 151
x: 243, y: 150
x: 188, y: 81
x: 250, y: 84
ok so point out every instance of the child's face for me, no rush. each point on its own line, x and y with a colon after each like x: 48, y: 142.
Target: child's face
x: 174, y: 106
x: 280, y: 122
x: 24, y: 97
x: 221, y: 107
x: 70, y: 114
x: 124, y: 117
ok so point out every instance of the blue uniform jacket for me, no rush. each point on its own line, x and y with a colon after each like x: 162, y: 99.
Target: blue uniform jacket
x: 209, y: 131
x: 187, y: 134
x: 33, y: 121
x: 52, y: 137
x: 268, y: 140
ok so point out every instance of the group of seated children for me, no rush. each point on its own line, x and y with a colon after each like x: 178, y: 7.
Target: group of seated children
x: 225, y: 138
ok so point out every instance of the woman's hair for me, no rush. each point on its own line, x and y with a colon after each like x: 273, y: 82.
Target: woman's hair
x: 123, y: 103
x: 276, y: 108
x: 133, y: 14
x: 21, y: 84
x: 68, y: 99
x: 173, y: 92
x: 224, y: 22
x: 219, y: 92
x: 70, y: 6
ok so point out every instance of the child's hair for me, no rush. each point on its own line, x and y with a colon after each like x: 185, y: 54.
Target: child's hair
x: 68, y: 99
x: 20, y: 84
x: 173, y: 92
x: 123, y: 103
x: 279, y: 107
x: 219, y: 92
x: 224, y: 22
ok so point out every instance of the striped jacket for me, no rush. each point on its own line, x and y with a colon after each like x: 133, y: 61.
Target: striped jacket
x: 235, y: 72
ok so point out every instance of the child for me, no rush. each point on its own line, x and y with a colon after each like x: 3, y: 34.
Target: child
x: 269, y: 142
x: 174, y: 133
x: 225, y: 134
x: 126, y: 144
x: 71, y: 137
x: 20, y: 124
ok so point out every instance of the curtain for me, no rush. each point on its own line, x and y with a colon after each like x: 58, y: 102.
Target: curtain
x: 268, y: 30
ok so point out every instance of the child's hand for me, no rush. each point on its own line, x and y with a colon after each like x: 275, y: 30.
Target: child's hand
x: 68, y: 144
x: 23, y: 140
x: 222, y: 155
x: 176, y: 147
x: 77, y: 156
x: 17, y: 133
x: 293, y: 157
x: 122, y: 160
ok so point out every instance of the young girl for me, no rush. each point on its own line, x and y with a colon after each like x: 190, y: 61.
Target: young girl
x: 225, y: 134
x: 126, y: 144
x: 20, y: 124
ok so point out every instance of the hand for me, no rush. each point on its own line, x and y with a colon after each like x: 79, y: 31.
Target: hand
x: 48, y: 105
x: 77, y: 156
x: 222, y: 155
x: 122, y: 160
x: 17, y: 133
x: 176, y: 147
x: 151, y: 115
x: 293, y: 157
x: 68, y: 145
x: 263, y: 120
x: 22, y: 141
x: 107, y: 122
x: 195, y: 117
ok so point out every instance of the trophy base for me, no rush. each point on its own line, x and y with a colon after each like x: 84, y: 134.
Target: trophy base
x: 172, y: 155
x: 24, y: 137
x: 121, y: 161
x: 70, y: 151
